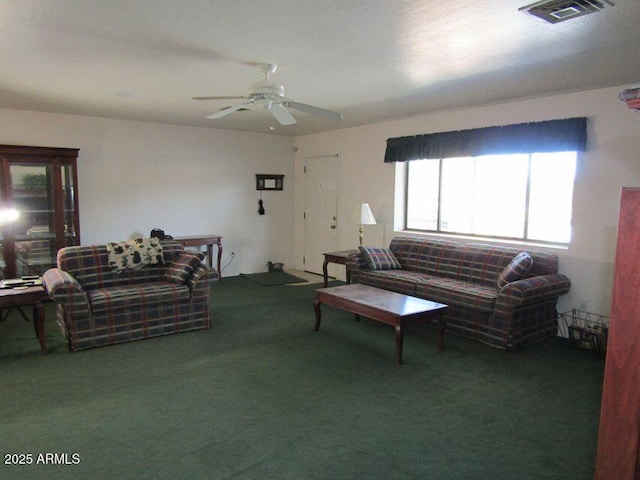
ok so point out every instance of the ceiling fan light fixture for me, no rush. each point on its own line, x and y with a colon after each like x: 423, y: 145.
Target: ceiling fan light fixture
x: 270, y: 95
x: 266, y: 88
x: 281, y: 114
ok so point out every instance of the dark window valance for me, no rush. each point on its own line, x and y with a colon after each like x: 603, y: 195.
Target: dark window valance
x: 550, y: 136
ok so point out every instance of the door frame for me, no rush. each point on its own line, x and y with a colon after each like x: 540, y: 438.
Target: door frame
x: 331, y: 268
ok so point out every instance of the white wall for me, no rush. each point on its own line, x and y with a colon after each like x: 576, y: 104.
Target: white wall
x: 135, y: 176
x: 611, y: 162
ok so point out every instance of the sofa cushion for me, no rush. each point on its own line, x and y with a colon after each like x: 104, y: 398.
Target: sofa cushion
x: 180, y: 270
x: 134, y: 254
x: 517, y: 269
x: 89, y: 265
x: 457, y: 292
x: 420, y: 255
x: 133, y: 296
x: 475, y: 262
x: 400, y: 281
x: 380, y: 258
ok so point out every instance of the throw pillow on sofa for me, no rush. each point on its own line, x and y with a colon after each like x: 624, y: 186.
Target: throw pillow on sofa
x: 380, y: 258
x: 182, y: 267
x: 517, y: 269
x: 134, y: 254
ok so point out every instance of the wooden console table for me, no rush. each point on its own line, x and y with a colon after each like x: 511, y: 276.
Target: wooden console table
x: 209, y: 241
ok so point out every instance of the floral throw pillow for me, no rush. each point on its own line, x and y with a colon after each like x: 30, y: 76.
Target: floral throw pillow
x: 182, y: 267
x: 380, y: 258
x: 517, y: 269
x: 134, y: 254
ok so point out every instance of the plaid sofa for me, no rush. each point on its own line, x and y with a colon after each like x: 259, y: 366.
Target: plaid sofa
x: 97, y: 306
x: 464, y: 276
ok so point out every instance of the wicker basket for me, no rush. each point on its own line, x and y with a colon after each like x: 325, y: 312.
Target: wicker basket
x: 585, y: 330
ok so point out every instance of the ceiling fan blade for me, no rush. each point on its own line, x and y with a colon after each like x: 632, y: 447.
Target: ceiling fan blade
x: 218, y: 98
x: 281, y: 114
x: 226, y: 111
x: 313, y: 110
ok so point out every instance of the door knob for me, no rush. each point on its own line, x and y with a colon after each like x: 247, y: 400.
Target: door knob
x: 333, y: 227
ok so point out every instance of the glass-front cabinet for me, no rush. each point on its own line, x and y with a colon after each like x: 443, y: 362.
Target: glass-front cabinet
x: 38, y: 207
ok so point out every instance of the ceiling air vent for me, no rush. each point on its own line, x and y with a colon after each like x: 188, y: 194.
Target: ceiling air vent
x: 554, y: 11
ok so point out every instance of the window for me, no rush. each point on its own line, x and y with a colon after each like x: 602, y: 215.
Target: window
x: 516, y: 196
x: 505, y: 181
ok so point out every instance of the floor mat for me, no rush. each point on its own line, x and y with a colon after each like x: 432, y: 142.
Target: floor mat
x: 269, y: 279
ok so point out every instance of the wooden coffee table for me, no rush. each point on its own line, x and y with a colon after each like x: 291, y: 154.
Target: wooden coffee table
x: 384, y: 306
x: 28, y: 296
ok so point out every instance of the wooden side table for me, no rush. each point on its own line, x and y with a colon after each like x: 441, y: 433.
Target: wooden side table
x: 209, y: 241
x: 22, y: 297
x: 339, y: 258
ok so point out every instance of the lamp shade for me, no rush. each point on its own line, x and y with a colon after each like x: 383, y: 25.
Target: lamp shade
x: 364, y: 215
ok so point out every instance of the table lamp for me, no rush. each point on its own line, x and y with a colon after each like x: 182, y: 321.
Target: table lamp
x: 364, y: 216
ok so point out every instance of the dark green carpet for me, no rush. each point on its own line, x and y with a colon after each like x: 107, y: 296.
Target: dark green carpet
x: 269, y: 279
x: 261, y: 396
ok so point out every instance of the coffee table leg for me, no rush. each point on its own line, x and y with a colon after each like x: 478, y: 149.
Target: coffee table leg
x: 399, y: 341
x: 316, y: 308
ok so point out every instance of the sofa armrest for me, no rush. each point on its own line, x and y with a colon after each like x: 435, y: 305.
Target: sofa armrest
x: 354, y: 263
x: 532, y: 290
x: 65, y: 290
x: 201, y: 280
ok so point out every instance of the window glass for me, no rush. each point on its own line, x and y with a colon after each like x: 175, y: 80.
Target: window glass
x: 422, y: 195
x: 520, y: 196
x: 34, y: 231
x: 551, y: 196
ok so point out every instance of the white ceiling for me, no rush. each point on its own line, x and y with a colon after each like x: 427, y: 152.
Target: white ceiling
x: 371, y: 60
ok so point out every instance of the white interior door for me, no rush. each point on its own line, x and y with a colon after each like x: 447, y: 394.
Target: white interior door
x: 321, y: 207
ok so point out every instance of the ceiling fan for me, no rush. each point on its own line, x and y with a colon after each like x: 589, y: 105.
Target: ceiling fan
x: 270, y: 96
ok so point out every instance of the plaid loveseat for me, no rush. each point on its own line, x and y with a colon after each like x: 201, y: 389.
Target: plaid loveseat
x: 98, y: 306
x: 465, y: 277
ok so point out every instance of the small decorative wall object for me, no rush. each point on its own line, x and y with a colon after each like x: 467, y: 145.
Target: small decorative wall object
x: 631, y: 96
x: 269, y: 182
